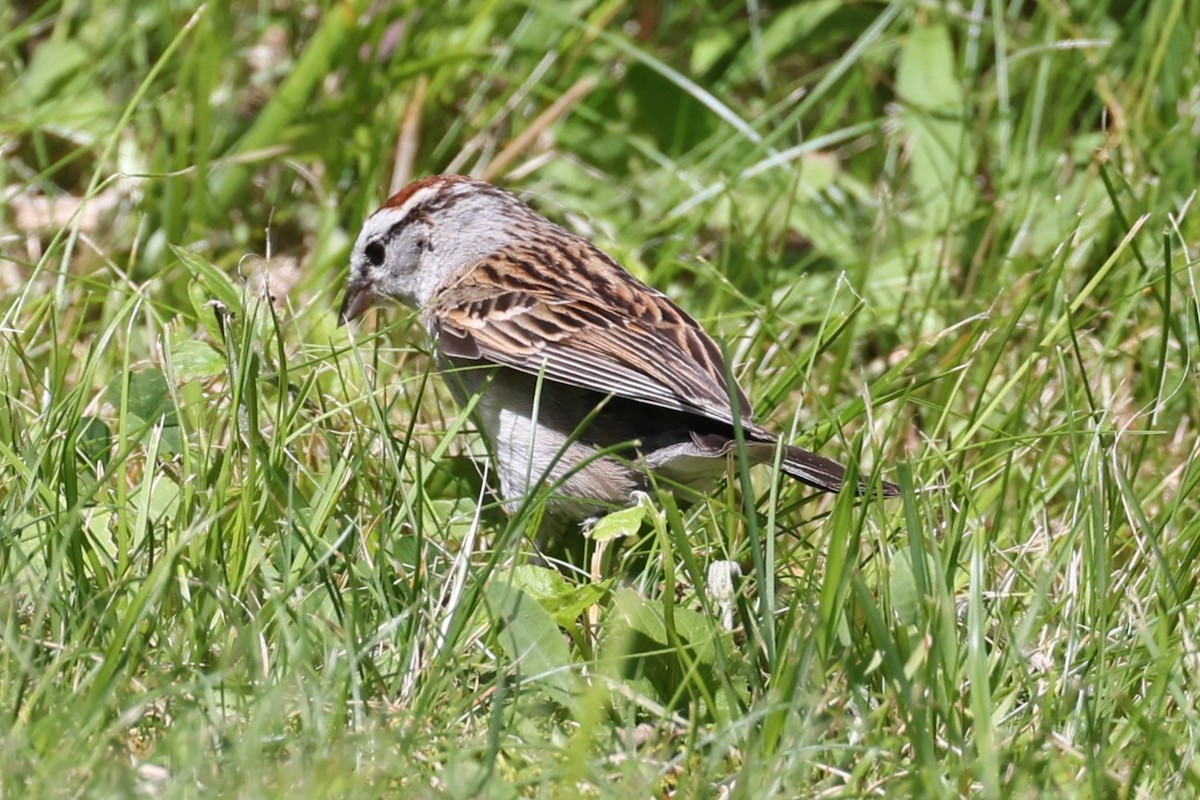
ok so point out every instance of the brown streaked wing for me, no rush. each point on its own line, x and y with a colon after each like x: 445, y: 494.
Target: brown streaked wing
x: 637, y: 345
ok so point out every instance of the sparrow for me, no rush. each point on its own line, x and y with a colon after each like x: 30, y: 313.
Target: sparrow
x: 589, y: 381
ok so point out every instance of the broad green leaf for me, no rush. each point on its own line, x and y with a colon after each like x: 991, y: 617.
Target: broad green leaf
x: 60, y: 68
x: 646, y: 617
x: 192, y: 359
x: 786, y: 30
x: 453, y: 477
x: 640, y: 616
x: 148, y: 399
x: 541, y: 582
x: 562, y: 599
x: 94, y: 441
x: 934, y: 120
x: 164, y: 499
x: 711, y: 46
x: 203, y: 304
x: 52, y: 65
x: 218, y: 284
x: 907, y: 598
x: 532, y: 641
x: 618, y: 524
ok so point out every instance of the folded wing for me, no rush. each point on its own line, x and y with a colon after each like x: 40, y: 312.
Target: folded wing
x: 603, y: 336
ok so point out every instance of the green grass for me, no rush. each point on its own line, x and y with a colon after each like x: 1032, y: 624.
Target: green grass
x: 244, y: 552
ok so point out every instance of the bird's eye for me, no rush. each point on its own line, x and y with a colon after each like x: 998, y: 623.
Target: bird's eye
x: 375, y: 253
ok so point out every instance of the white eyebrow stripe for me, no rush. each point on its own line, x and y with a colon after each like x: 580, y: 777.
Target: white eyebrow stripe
x: 417, y: 198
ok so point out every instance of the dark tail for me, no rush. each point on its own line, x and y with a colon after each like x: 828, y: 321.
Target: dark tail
x: 822, y: 473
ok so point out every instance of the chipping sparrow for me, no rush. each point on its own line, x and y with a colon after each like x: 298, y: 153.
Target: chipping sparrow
x: 570, y: 353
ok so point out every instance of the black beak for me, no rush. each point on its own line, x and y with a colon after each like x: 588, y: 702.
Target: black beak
x: 359, y: 298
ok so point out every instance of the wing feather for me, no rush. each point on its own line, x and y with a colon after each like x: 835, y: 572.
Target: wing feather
x: 602, y: 330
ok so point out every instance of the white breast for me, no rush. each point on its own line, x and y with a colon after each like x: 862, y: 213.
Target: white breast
x: 532, y: 446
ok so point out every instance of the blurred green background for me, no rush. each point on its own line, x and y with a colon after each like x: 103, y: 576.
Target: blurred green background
x: 244, y: 552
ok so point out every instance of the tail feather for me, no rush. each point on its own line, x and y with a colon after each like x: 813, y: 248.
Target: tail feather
x: 823, y: 473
